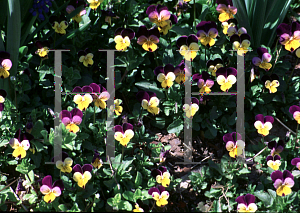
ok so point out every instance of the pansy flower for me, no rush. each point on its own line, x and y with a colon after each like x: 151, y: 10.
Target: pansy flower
x: 43, y: 49
x: 3, y: 95
x: 240, y: 43
x: 235, y: 31
x: 94, y: 4
x: 83, y: 101
x: 254, y: 73
x: 273, y: 161
x: 20, y: 143
x: 276, y: 147
x: 234, y: 144
x: 117, y: 108
x: 97, y: 161
x: 207, y: 31
x: 179, y: 72
x: 72, y: 6
x: 51, y: 191
x: 158, y: 14
x: 190, y: 110
x: 263, y: 59
x: 161, y: 176
x: 5, y: 64
x: 148, y: 38
x: 71, y: 119
x: 124, y: 133
x: 140, y: 207
x: 65, y: 164
x: 164, y: 30
x: 86, y: 57
x: 227, y: 10
x: 296, y: 162
x: 123, y: 37
x: 165, y: 75
x: 59, y: 24
x: 203, y: 81
x: 263, y: 124
x: 100, y: 95
x: 246, y: 203
x: 283, y: 182
x: 160, y: 195
x: 271, y: 82
x: 227, y: 24
x: 163, y: 155
x: 188, y: 46
x: 289, y: 35
x: 108, y: 15
x: 226, y: 77
x: 82, y: 174
x: 294, y: 110
x: 149, y: 101
x: 214, y: 65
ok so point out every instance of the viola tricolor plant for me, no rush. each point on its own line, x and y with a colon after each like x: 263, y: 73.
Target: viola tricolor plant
x: 149, y: 101
x: 165, y: 75
x: 71, y: 119
x: 283, y: 182
x: 124, y: 133
x: 20, y: 143
x: 123, y: 37
x: 82, y: 174
x: 188, y: 46
x: 160, y: 195
x: 190, y: 110
x: 263, y: 124
x: 148, y: 38
x: 162, y: 176
x: 226, y: 77
x: 51, y: 191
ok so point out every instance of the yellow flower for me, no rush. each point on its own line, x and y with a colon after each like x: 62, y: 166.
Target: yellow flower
x: 124, y: 133
x: 137, y: 208
x: 189, y: 52
x: 161, y: 199
x: 166, y: 80
x: 43, y: 52
x: 190, y: 110
x: 94, y: 4
x: 241, y: 47
x: 83, y: 102
x: 272, y: 85
x: 164, y: 179
x: 5, y: 66
x: 118, y: 108
x: 122, y: 43
x: 19, y: 148
x: 226, y: 83
x: 274, y: 164
x: 82, y: 179
x: 263, y: 129
x: 226, y: 12
x: 100, y: 100
x: 65, y: 166
x: 152, y: 105
x: 60, y: 27
x: 87, y: 59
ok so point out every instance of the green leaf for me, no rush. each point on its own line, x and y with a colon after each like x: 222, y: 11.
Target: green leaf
x: 176, y: 126
x: 25, y: 167
x: 128, y: 195
x: 3, y: 143
x: 37, y: 128
x: 138, y: 180
x: 22, y: 51
x: 215, y: 166
x: 125, y: 205
x: 265, y: 198
x: 159, y: 122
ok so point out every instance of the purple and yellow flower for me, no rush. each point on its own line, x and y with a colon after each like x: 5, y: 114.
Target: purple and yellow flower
x: 109, y: 15
x: 271, y: 82
x: 148, y: 38
x: 289, y: 35
x: 163, y: 155
x: 123, y: 37
x: 228, y: 24
x: 149, y: 101
x: 43, y: 49
x: 20, y: 144
x: 283, y: 182
x: 82, y: 174
x: 276, y: 147
x: 214, y: 65
x: 86, y: 57
x: 296, y: 162
x: 116, y: 107
x: 51, y: 191
x: 190, y: 110
x: 234, y: 144
x: 235, y: 31
x: 165, y: 75
x: 207, y: 32
x: 226, y: 77
x: 204, y: 82
x: 164, y: 30
x: 124, y: 133
x: 263, y: 59
x: 100, y: 95
x: 273, y: 161
x: 179, y: 72
x: 83, y: 101
x: 3, y: 95
x: 227, y: 10
x: 263, y: 124
x: 59, y: 24
x: 5, y: 64
x: 160, y: 195
x: 240, y: 43
x: 73, y: 5
x: 188, y: 46
x: 159, y: 15
x: 246, y: 203
x: 65, y: 164
x: 71, y: 119
x: 94, y: 4
x: 97, y: 161
x: 294, y: 110
x: 161, y: 176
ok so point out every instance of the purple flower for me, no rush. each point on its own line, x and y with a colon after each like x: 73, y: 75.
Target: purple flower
x: 263, y: 59
x: 271, y: 82
x: 263, y: 124
x: 226, y: 77
x: 289, y: 35
x: 149, y: 101
x: 97, y: 161
x: 246, y: 203
x: 20, y: 143
x: 296, y: 162
x: 294, y: 110
x: 234, y: 144
x: 240, y: 43
x: 161, y: 175
x: 73, y: 5
x: 163, y: 155
x: 188, y: 46
x: 100, y: 95
x: 273, y: 161
x: 124, y: 133
x: 51, y: 191
x: 179, y: 72
x: 71, y: 119
x: 207, y: 31
x: 123, y: 37
x: 148, y: 38
x: 159, y: 15
x: 82, y: 174
x: 203, y: 81
x: 165, y: 75
x: 214, y: 65
x: 160, y: 195
x: 5, y: 64
x: 283, y: 182
x: 108, y: 15
x: 276, y: 147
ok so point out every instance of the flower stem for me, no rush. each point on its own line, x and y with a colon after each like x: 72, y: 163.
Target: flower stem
x: 292, y: 72
x: 155, y: 58
x: 84, y: 118
x: 122, y: 154
x: 166, y: 90
x: 257, y: 154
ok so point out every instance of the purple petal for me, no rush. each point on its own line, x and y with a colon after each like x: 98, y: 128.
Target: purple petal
x: 195, y: 101
x: 158, y: 70
x: 276, y: 175
x: 26, y: 136
x: 205, y: 75
x: 256, y: 61
x: 234, y: 38
x: 168, y: 68
x: 209, y: 83
x: 196, y: 77
x: 87, y: 167
x: 155, y: 32
x: 231, y: 71
x: 77, y: 112
x: 287, y: 174
x: 269, y: 118
x: 272, y: 144
x: 162, y: 169
x: 118, y: 128
x: 47, y: 181
x: 181, y: 41
x: 127, y: 126
x: 142, y: 31
x: 277, y: 183
x: 259, y: 117
x: 265, y: 78
x: 65, y: 113
x: 261, y: 51
x: 155, y: 172
x: 200, y: 83
x: 76, y: 120
x: 142, y: 95
x: 227, y: 137
x: 283, y: 28
x: 295, y: 161
x: 191, y: 38
x: 161, y: 189
x: 236, y: 136
x: 277, y: 157
x: 295, y: 26
x: 3, y: 93
x: 1, y: 107
x: 59, y: 183
x: 18, y: 135
x: 118, y: 31
x: 153, y: 189
x: 77, y: 168
x: 221, y: 71
x: 160, y: 8
x: 150, y: 9
x: 245, y: 36
x: 4, y: 55
x: 294, y: 109
x: 173, y: 19
x: 270, y: 157
x: 241, y: 199
x: 249, y: 198
x: 95, y: 87
x: 87, y: 89
x: 128, y: 32
x: 39, y: 44
x: 77, y: 89
x: 274, y: 77
x: 151, y: 94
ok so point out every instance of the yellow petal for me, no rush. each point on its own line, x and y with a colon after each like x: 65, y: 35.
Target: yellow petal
x: 59, y: 164
x: 161, y: 77
x: 19, y: 151
x: 48, y: 198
